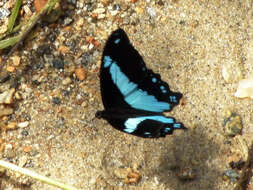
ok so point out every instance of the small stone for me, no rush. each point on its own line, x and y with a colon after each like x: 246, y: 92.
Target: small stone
x: 80, y: 73
x: 66, y: 81
x: 67, y: 21
x: 23, y: 124
x: 27, y: 10
x: 5, y: 111
x: 63, y: 49
x: 44, y: 49
x: 25, y: 133
x: 139, y: 10
x: 80, y: 22
x: 132, y: 177
x: 121, y: 173
x: 232, y: 175
x: 16, y: 60
x: 2, y: 145
x: 56, y: 100
x: 18, y: 96
x: 99, y: 10
x: 232, y: 123
x: 11, y: 126
x: 10, y: 68
x: 245, y: 88
x: 22, y: 161
x: 6, y: 97
x: 84, y: 59
x: 116, y: 7
x: 27, y: 149
x: 58, y: 64
x: 151, y: 11
x: 4, y: 13
x: 39, y: 4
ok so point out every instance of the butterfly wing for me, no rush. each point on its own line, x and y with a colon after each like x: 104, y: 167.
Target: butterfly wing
x: 146, y: 126
x: 127, y: 83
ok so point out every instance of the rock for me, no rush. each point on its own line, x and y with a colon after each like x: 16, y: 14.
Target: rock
x: 4, y: 13
x: 66, y: 81
x: 10, y: 69
x: 16, y: 60
x: 80, y: 73
x: 23, y: 124
x: 245, y: 88
x: 11, y: 126
x: 232, y: 175
x: 6, y: 97
x: 58, y: 63
x: 5, y: 111
x: 121, y: 173
x: 232, y: 123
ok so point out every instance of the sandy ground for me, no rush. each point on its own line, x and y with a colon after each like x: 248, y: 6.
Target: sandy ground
x: 188, y: 43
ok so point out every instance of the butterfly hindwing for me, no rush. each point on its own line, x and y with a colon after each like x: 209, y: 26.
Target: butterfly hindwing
x: 131, y: 84
x: 140, y: 123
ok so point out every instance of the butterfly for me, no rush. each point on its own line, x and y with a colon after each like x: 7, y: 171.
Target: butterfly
x: 134, y: 97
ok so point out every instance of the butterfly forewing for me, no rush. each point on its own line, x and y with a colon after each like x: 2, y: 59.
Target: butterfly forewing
x: 135, y: 86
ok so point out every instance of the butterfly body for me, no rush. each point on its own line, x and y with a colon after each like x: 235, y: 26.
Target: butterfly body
x: 134, y: 97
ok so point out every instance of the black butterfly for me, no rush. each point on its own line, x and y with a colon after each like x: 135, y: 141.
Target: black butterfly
x: 134, y: 97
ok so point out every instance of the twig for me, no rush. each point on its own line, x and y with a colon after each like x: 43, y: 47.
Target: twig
x: 46, y: 9
x: 36, y: 176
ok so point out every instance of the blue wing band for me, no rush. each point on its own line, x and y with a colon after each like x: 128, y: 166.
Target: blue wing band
x: 135, y: 97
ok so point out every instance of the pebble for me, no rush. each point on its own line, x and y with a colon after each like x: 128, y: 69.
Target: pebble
x: 245, y: 88
x: 22, y: 161
x: 44, y: 49
x: 80, y: 73
x: 11, y: 126
x: 27, y: 10
x: 63, y: 49
x: 23, y: 124
x: 99, y: 10
x: 66, y: 81
x: 58, y: 64
x: 133, y: 177
x: 121, y: 173
x: 27, y: 149
x: 4, y: 13
x: 151, y: 11
x: 5, y: 111
x: 84, y: 59
x: 67, y: 21
x: 7, y: 96
x: 10, y: 68
x: 232, y: 123
x: 16, y: 60
x: 233, y: 175
x: 56, y: 100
